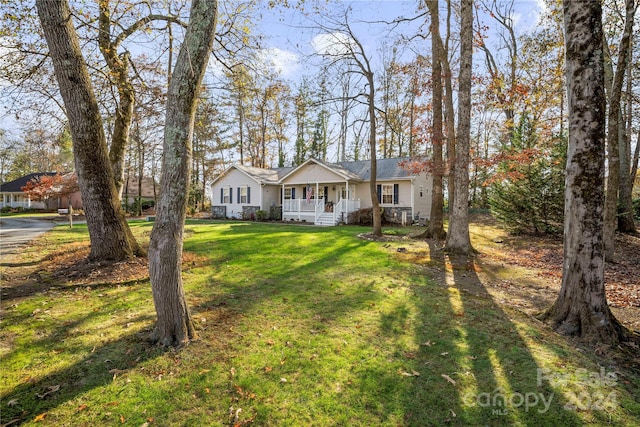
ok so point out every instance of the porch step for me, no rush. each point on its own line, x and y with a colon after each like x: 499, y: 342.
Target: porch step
x: 326, y: 219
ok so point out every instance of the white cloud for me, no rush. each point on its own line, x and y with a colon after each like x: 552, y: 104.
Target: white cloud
x: 284, y: 62
x: 336, y: 43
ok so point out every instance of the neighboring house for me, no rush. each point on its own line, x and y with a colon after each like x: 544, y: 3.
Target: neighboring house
x: 130, y: 190
x: 320, y: 192
x: 11, y: 195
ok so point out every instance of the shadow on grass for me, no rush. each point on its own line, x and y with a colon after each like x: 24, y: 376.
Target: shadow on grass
x: 477, y: 370
x: 35, y: 396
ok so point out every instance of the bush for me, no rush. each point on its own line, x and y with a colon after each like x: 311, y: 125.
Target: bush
x: 262, y: 215
x: 364, y: 217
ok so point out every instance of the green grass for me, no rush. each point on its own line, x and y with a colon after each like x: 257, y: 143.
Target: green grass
x: 297, y: 326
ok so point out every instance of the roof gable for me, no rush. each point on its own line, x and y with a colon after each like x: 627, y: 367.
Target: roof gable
x: 16, y: 185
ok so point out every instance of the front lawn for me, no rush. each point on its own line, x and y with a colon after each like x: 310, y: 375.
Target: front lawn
x: 298, y: 325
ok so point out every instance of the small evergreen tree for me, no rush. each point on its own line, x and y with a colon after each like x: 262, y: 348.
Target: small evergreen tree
x: 527, y: 192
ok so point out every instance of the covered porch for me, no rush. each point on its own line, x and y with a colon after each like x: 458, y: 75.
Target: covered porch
x: 321, y: 203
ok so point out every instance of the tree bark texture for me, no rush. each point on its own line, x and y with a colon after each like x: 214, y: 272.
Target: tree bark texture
x: 436, y: 222
x: 174, y: 326
x: 613, y: 136
x: 109, y: 233
x: 581, y: 308
x: 458, y: 238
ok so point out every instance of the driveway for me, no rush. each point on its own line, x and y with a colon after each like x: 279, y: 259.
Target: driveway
x: 17, y: 232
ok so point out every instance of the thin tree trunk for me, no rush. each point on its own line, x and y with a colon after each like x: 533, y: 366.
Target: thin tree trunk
x: 109, y: 233
x: 581, y: 308
x: 458, y: 238
x: 626, y: 222
x: 174, y: 326
x: 436, y: 221
x: 613, y: 137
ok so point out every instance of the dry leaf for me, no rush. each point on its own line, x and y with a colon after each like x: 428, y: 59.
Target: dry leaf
x: 12, y: 402
x: 268, y: 368
x: 428, y: 343
x: 82, y: 407
x: 415, y: 373
x: 40, y: 417
x: 122, y: 420
x: 283, y: 380
x: 51, y: 389
x: 448, y: 378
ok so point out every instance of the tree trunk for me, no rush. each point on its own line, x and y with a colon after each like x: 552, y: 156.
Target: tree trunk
x: 109, y: 233
x: 458, y: 238
x: 436, y: 221
x: 613, y: 133
x: 626, y: 222
x: 174, y: 326
x: 373, y: 188
x: 581, y: 308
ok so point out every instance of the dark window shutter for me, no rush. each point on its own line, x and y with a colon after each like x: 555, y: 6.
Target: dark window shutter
x: 248, y: 194
x: 379, y: 191
x: 238, y: 199
x: 230, y: 195
x: 293, y: 193
x: 396, y: 188
x: 304, y: 193
x: 222, y: 195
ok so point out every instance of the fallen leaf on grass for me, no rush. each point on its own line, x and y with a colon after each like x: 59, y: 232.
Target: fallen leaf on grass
x: 407, y: 374
x: 40, y: 417
x: 448, y: 378
x: 12, y: 402
x: 50, y: 390
x: 82, y: 407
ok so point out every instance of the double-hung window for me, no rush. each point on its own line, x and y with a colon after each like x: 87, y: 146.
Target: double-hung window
x: 244, y: 195
x: 225, y: 195
x: 388, y: 194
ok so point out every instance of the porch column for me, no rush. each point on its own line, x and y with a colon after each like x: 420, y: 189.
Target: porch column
x: 283, y: 202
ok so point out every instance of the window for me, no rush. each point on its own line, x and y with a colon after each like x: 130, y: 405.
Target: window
x: 244, y: 194
x: 421, y: 190
x: 289, y: 193
x: 388, y: 194
x: 225, y: 195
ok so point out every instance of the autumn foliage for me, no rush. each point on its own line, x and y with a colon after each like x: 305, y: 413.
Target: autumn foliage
x: 46, y: 187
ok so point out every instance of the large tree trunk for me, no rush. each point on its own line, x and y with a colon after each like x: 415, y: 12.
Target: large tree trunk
x: 436, y: 221
x: 458, y: 238
x: 110, y: 236
x: 174, y: 326
x: 613, y: 136
x: 581, y: 308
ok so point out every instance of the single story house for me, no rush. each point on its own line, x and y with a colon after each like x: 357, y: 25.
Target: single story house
x: 12, y: 195
x: 320, y: 192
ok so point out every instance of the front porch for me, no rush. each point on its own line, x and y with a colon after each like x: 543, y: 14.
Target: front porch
x: 318, y: 211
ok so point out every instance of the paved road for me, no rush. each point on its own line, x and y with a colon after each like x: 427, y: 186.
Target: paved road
x: 17, y: 232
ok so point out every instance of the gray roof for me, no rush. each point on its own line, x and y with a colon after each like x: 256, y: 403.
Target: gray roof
x: 267, y: 176
x: 16, y: 185
x: 386, y: 168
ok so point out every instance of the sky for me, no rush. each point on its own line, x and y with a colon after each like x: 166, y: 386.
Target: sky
x: 290, y: 39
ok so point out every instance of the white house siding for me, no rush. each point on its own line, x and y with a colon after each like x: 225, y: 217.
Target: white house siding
x: 233, y: 180
x: 311, y: 174
x: 270, y: 196
x: 422, y: 202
